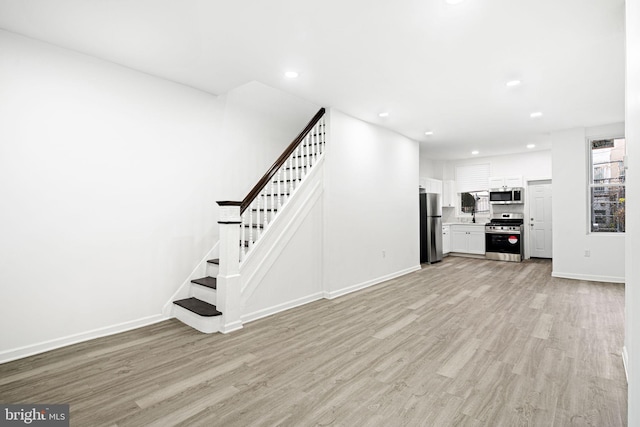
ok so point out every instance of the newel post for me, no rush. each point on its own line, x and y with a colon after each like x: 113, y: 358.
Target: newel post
x: 228, y: 283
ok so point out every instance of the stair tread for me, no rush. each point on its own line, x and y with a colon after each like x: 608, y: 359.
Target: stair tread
x: 199, y: 307
x: 214, y: 261
x: 209, y: 282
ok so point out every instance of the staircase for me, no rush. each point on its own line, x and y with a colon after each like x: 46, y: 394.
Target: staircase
x: 199, y: 310
x: 214, y: 302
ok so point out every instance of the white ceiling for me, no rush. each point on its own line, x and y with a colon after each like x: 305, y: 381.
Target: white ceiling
x: 431, y: 65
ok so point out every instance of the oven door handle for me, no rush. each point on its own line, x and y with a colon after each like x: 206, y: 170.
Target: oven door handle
x: 502, y: 232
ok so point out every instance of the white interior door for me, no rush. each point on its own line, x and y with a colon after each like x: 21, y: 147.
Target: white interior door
x: 540, y: 221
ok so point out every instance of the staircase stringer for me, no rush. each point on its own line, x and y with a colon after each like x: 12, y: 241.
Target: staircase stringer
x: 267, y: 251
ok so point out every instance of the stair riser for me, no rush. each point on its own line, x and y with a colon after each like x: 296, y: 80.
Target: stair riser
x: 207, y: 325
x: 203, y: 293
x: 212, y: 269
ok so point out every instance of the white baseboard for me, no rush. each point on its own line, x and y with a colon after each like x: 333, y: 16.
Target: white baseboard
x: 588, y: 277
x: 233, y: 326
x: 281, y: 307
x: 328, y: 295
x: 368, y: 283
x: 30, y: 350
x: 625, y: 362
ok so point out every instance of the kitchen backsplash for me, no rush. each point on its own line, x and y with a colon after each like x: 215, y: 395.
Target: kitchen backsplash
x: 449, y: 215
x: 498, y: 209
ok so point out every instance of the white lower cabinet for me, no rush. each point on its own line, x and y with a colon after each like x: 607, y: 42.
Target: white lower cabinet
x: 467, y: 239
x: 446, y: 239
x: 477, y: 242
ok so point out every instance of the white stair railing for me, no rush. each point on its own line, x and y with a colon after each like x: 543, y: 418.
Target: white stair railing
x: 271, y: 196
x: 247, y: 221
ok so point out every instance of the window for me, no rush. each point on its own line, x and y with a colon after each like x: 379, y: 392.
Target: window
x: 471, y: 178
x: 473, y: 203
x: 607, y: 185
x: 473, y: 183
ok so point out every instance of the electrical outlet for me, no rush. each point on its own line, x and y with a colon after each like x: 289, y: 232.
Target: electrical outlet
x: 384, y: 254
x: 587, y: 253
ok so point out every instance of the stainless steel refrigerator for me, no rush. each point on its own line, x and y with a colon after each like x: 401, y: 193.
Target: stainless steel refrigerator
x: 430, y: 228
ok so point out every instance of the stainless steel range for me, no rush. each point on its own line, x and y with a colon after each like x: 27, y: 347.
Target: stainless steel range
x: 504, y: 237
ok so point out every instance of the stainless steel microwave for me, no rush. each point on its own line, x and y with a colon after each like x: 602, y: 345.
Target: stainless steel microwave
x: 506, y: 196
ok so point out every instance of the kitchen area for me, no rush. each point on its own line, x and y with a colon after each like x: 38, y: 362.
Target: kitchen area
x: 482, y: 224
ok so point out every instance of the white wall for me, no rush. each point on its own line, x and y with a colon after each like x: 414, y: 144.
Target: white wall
x: 533, y: 165
x: 259, y: 123
x: 430, y: 168
x: 571, y: 237
x: 108, y: 182
x: 632, y: 287
x: 371, y: 205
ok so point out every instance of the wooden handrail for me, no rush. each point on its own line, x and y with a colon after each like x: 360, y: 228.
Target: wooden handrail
x: 281, y: 160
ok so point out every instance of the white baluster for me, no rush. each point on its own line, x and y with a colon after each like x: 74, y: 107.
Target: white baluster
x: 264, y: 198
x: 310, y: 153
x: 258, y: 218
x: 315, y: 147
x: 250, y: 245
x: 319, y: 138
x: 298, y: 162
x: 279, y: 175
x: 273, y: 199
x: 243, y: 219
x: 303, y: 147
x: 295, y: 168
x: 316, y: 142
x: 291, y: 174
x: 324, y: 135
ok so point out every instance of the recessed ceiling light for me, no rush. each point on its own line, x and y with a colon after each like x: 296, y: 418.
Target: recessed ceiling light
x: 384, y: 114
x: 512, y: 83
x: 291, y: 74
x: 536, y: 114
x: 531, y: 145
x: 453, y: 1
x: 474, y: 152
x: 429, y: 133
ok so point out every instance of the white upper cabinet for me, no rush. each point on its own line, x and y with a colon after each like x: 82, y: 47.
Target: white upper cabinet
x: 448, y: 194
x: 513, y: 181
x: 496, y: 182
x: 505, y: 181
x: 431, y: 185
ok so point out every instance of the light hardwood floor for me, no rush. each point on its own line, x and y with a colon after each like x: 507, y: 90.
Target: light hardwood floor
x: 464, y: 342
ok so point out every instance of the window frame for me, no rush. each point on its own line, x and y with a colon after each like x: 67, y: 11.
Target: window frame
x: 471, y: 178
x: 483, y: 214
x: 591, y: 184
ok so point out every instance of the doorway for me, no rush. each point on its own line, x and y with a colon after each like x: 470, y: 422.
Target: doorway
x: 540, y: 224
